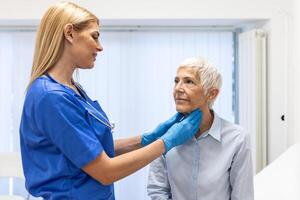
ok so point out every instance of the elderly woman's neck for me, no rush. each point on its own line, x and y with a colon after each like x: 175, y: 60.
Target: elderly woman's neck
x: 206, y: 122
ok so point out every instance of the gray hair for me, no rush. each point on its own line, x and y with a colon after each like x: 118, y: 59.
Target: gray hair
x: 208, y: 74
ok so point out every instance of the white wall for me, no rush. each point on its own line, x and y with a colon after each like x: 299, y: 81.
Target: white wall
x: 284, y: 92
x: 154, y: 9
x: 293, y: 104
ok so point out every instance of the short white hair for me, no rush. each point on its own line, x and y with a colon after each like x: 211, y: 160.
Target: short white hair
x: 208, y: 74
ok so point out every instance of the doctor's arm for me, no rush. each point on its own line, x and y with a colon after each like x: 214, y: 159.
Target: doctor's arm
x: 127, y: 144
x: 133, y: 143
x: 158, y: 187
x: 107, y: 170
x: 241, y: 172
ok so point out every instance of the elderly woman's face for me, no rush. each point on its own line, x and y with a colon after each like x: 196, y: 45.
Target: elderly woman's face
x: 188, y: 92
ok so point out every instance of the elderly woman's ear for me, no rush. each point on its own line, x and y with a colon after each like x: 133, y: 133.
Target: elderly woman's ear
x: 212, y: 94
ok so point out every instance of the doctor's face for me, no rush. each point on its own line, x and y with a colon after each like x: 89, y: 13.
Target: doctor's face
x: 188, y: 92
x: 85, y: 46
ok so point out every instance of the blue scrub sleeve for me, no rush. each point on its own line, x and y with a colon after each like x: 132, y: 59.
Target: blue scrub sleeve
x: 60, y: 117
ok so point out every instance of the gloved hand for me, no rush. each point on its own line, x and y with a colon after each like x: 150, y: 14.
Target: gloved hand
x: 180, y: 132
x: 161, y: 129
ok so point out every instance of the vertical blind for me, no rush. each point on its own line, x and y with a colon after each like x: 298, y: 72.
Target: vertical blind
x: 252, y: 92
x: 132, y: 79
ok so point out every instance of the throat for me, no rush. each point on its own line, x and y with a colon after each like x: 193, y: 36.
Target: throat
x: 206, y: 124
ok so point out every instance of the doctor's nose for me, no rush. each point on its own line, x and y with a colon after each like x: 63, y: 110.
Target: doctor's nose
x: 99, y: 47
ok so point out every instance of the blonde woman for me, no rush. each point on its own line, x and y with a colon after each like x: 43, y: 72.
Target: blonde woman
x: 66, y: 143
x: 216, y: 164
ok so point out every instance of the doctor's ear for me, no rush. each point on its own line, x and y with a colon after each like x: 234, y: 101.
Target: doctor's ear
x: 212, y: 94
x: 68, y: 32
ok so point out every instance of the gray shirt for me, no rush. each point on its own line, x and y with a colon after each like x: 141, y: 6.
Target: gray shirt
x: 216, y: 166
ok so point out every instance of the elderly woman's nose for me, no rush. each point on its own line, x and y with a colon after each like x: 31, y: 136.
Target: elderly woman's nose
x: 179, y: 86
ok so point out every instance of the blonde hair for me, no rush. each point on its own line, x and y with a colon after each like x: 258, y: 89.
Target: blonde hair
x: 49, y: 44
x: 207, y: 73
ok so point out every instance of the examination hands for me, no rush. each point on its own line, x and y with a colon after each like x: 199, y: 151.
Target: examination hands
x: 160, y: 130
x: 182, y: 131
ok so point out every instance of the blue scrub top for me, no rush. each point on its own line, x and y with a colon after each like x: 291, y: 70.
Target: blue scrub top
x: 59, y: 134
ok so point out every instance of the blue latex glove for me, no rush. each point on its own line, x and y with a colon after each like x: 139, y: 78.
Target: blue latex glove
x: 182, y: 131
x: 161, y: 129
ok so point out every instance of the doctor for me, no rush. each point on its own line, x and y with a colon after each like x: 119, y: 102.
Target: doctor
x: 66, y: 143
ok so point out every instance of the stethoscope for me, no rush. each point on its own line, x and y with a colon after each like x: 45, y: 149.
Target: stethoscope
x: 103, y: 121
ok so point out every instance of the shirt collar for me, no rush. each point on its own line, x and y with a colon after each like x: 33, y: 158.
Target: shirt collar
x: 215, y: 129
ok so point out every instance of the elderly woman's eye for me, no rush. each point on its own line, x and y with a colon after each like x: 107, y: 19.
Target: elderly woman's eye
x: 190, y: 82
x: 176, y: 81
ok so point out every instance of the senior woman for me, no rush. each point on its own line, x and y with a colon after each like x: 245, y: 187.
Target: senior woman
x: 216, y: 164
